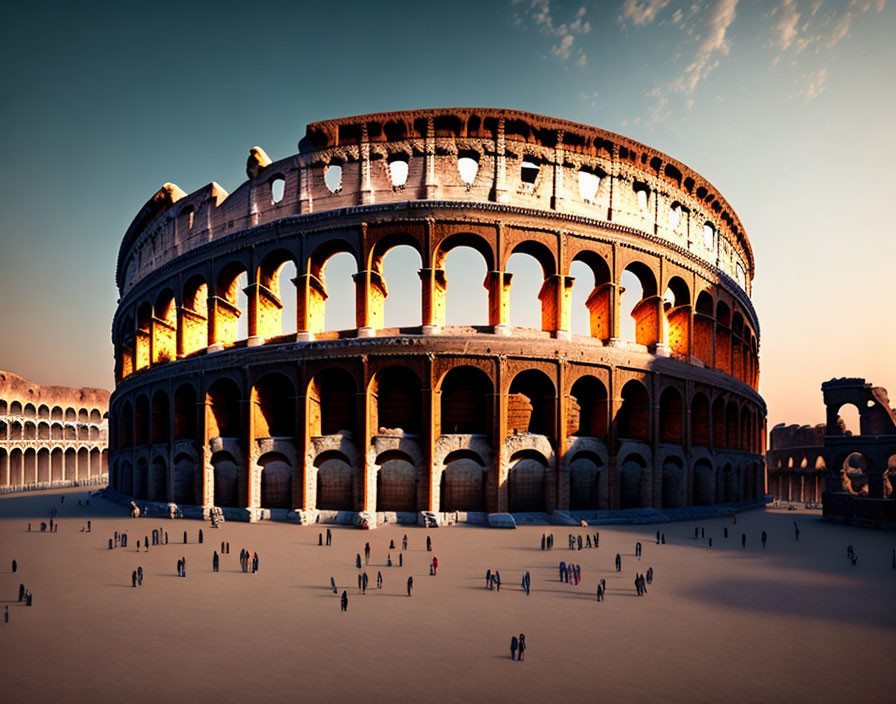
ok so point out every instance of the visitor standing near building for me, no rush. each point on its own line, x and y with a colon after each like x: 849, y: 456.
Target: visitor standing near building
x: 404, y: 542
x: 366, y: 553
x: 514, y: 643
x: 522, y: 646
x: 428, y: 544
x: 215, y: 561
x: 329, y: 538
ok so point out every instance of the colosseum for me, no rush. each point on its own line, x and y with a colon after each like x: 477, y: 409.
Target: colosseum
x: 51, y: 435
x: 216, y: 406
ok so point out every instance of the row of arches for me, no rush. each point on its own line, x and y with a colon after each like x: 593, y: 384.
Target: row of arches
x: 395, y: 401
x: 397, y: 283
x: 43, y: 430
x: 23, y: 467
x: 45, y: 412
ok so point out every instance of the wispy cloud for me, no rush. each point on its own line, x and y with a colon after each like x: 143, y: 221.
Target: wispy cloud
x: 715, y: 44
x: 564, y: 33
x: 802, y: 26
x: 815, y: 86
x: 642, y: 11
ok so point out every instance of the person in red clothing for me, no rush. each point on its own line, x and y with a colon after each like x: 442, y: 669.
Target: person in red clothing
x: 435, y: 565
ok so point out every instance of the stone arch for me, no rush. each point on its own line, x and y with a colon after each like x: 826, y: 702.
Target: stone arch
x: 43, y: 465
x: 455, y: 287
x: 704, y: 323
x: 29, y: 431
x: 273, y: 319
x: 527, y: 482
x: 274, y: 406
x: 331, y: 402
x: 673, y: 481
x: 677, y: 317
x: 29, y: 410
x: 226, y: 479
x: 95, y: 463
x: 43, y: 431
x: 276, y: 481
x: 16, y: 467
x: 397, y: 393
x: 464, y: 481
x: 230, y: 312
x: 164, y: 328
x: 125, y: 433
x: 141, y: 478
x: 640, y: 303
x: 43, y: 412
x: 398, y: 261
x: 161, y: 427
x: 719, y: 435
x: 336, y: 480
x: 704, y: 490
x: 157, y: 489
x: 723, y: 337
x: 57, y: 464
x: 223, y: 415
x: 531, y: 404
x: 57, y: 432
x: 95, y: 416
x: 531, y: 267
x: 588, y: 408
x: 126, y: 479
x: 187, y: 479
x: 57, y: 413
x: 143, y: 342
x: 83, y: 463
x: 589, y: 484
x: 671, y: 416
x: 315, y: 312
x: 185, y: 409
x: 194, y: 321
x: 467, y: 395
x: 15, y: 430
x: 141, y: 421
x: 595, y: 302
x: 632, y: 475
x: 396, y: 482
x: 633, y: 417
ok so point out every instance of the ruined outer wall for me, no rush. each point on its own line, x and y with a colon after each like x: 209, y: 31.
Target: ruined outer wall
x: 339, y: 420
x: 796, y: 463
x: 51, y: 435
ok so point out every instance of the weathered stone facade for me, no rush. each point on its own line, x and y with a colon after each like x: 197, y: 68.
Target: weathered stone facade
x: 471, y: 419
x: 795, y: 461
x: 51, y: 435
x: 861, y: 474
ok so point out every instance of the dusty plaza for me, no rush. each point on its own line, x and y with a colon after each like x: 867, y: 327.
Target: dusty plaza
x: 718, y: 624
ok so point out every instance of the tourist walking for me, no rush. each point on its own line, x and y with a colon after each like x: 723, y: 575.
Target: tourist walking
x: 404, y: 542
x: 764, y: 538
x: 329, y: 537
x: 796, y: 530
x: 428, y: 544
x: 200, y: 536
x: 410, y: 585
x: 379, y: 579
x: 358, y: 561
x: 15, y: 566
x: 522, y: 646
x: 513, y: 646
x: 435, y: 565
x: 366, y: 553
x: 344, y: 601
x: 140, y: 576
x: 743, y: 540
x: 215, y: 561
x: 133, y: 579
x: 637, y: 549
x: 618, y: 562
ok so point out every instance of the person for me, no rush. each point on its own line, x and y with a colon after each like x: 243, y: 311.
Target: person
x: 488, y: 579
x: 183, y: 566
x: 404, y: 542
x: 522, y: 646
x: 320, y: 539
x: 562, y: 570
x: 329, y: 537
x: 743, y: 540
x: 333, y: 585
x: 596, y: 538
x: 358, y: 561
x: 513, y: 646
x: 28, y: 597
x: 146, y: 543
x: 497, y: 580
x: 764, y: 537
x: 344, y: 600
x: 703, y: 532
x: 527, y: 582
x: 185, y: 537
x: 226, y: 544
x: 359, y: 582
x: 366, y: 553
x: 428, y: 544
x: 21, y: 592
x: 435, y: 565
x: 166, y: 537
x: 254, y: 562
x: 587, y: 541
x: 140, y: 575
x: 543, y: 541
x: 663, y: 538
x: 400, y: 559
x: 637, y: 549
x: 600, y: 595
x: 796, y: 529
x: 379, y: 579
x: 88, y: 526
x: 138, y: 546
x: 200, y: 536
x: 696, y: 532
x: 710, y: 541
x: 618, y: 562
x: 14, y: 566
x: 215, y: 561
x: 364, y: 583
x: 410, y: 585
x: 551, y: 541
x: 134, y: 579
x: 579, y: 542
x: 388, y: 559
x: 650, y: 575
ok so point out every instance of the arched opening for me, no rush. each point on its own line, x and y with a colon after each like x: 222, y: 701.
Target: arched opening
x: 731, y: 426
x: 337, y: 278
x: 95, y: 460
x: 335, y: 482
x: 43, y: 412
x: 718, y: 423
x: 526, y: 481
x: 43, y: 431
x: 531, y: 404
x: 276, y: 481
x: 56, y: 413
x: 464, y: 482
x: 333, y: 177
x: 704, y: 483
x: 526, y: 284
x: 43, y: 465
x: 141, y: 478
x: 232, y: 305
x: 633, y: 417
x: 673, y: 484
x: 466, y: 286
x: 703, y: 328
x: 589, y: 184
x: 276, y: 295
x: 588, y: 409
x: 398, y: 170
x: 848, y: 419
x: 70, y: 432
x: 15, y: 430
x: 187, y: 480
x: 57, y: 465
x: 164, y: 328
x: 141, y: 421
x: 466, y: 402
x: 126, y: 479
x: 588, y: 483
x: 161, y: 429
x: 396, y: 482
x: 591, y: 304
x: 83, y: 460
x: 125, y: 427
x: 30, y: 430
x: 30, y: 465
x: 400, y: 270
x: 274, y: 407
x: 158, y: 484
x: 677, y: 316
x: 468, y: 166
x: 278, y: 189
x: 15, y: 408
x: 398, y: 407
x: 639, y: 312
x: 671, y: 416
x: 854, y: 474
x: 723, y: 337
x: 582, y: 288
x: 16, y: 468
x: 194, y: 321
x: 632, y: 478
x: 331, y: 402
x: 226, y: 477
x: 223, y: 415
x: 185, y: 413
x: 56, y: 431
x: 700, y: 421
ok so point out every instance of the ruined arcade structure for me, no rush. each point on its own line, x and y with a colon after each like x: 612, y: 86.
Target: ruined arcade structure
x: 795, y: 463
x: 51, y: 435
x: 861, y: 477
x: 215, y: 406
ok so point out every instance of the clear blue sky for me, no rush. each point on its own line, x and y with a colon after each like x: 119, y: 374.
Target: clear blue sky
x: 787, y: 107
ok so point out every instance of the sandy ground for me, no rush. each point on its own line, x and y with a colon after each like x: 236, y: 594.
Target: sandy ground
x: 794, y: 622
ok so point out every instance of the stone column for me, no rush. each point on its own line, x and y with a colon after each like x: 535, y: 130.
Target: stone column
x: 370, y: 295
x: 434, y: 286
x: 498, y: 285
x: 500, y: 164
x: 311, y: 299
x: 604, y: 312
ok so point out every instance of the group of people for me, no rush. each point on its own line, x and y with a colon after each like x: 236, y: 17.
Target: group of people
x: 576, y: 542
x: 24, y: 595
x: 518, y: 644
x: 547, y: 541
x: 493, y: 580
x: 571, y: 574
x: 182, y: 567
x: 137, y: 577
x: 248, y: 562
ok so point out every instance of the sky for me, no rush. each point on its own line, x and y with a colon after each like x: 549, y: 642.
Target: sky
x: 786, y: 107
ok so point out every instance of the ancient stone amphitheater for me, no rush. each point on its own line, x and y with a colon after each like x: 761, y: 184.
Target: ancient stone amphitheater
x: 215, y: 406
